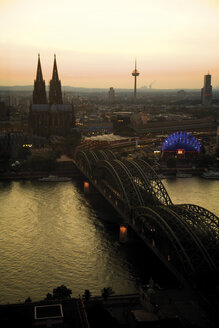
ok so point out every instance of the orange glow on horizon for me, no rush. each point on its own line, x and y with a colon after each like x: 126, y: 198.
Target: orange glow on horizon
x: 173, y: 46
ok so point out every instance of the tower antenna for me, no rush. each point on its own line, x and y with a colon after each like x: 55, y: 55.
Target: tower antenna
x: 135, y: 73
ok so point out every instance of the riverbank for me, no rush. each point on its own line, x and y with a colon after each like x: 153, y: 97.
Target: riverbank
x: 167, y: 308
x: 171, y: 172
x: 69, y: 169
x: 24, y: 314
x: 65, y: 168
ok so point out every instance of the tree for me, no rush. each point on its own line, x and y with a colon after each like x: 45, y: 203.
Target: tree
x: 49, y: 297
x: 73, y: 139
x: 106, y: 292
x: 61, y: 292
x: 87, y: 295
x: 23, y: 153
x: 41, y: 162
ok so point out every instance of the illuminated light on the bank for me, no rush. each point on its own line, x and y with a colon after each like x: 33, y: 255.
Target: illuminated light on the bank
x: 123, y: 236
x: 27, y: 145
x: 123, y: 229
x: 86, y: 187
x: 180, y: 151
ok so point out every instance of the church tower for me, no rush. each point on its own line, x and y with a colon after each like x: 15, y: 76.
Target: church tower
x: 55, y: 92
x: 53, y: 118
x: 39, y: 92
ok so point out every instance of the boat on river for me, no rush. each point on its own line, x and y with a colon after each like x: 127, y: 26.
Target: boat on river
x: 210, y: 175
x: 183, y: 175
x: 54, y: 178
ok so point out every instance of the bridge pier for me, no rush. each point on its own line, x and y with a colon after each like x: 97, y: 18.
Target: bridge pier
x: 123, y: 234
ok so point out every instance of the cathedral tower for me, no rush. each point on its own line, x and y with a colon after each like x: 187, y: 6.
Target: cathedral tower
x: 39, y: 92
x: 55, y: 92
x: 53, y: 118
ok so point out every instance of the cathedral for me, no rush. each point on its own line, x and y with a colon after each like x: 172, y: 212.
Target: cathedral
x: 49, y: 117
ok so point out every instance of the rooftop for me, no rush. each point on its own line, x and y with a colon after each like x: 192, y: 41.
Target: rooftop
x: 47, y: 107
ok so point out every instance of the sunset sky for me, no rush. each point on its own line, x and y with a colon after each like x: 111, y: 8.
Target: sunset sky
x: 176, y: 42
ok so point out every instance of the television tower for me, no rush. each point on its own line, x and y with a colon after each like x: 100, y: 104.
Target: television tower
x: 135, y: 73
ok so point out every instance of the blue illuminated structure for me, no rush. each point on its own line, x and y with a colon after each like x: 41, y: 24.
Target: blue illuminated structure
x: 181, y: 140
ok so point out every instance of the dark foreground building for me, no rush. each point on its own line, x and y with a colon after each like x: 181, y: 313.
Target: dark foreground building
x: 56, y: 314
x: 51, y: 117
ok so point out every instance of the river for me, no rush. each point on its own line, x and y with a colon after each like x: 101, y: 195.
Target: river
x: 52, y: 234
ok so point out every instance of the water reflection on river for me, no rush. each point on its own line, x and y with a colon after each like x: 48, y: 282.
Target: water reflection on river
x: 196, y: 190
x: 51, y: 234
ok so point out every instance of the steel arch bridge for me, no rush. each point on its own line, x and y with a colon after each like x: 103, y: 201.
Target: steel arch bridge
x: 184, y: 237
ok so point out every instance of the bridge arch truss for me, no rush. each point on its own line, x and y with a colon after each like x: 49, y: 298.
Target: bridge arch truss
x: 185, y: 235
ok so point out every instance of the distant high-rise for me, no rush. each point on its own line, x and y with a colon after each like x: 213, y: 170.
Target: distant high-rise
x: 55, y: 92
x: 135, y: 73
x: 39, y: 92
x: 111, y: 94
x: 206, y: 91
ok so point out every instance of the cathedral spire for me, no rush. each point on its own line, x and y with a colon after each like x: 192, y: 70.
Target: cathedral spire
x: 39, y: 75
x: 55, y: 75
x: 39, y: 92
x: 55, y: 92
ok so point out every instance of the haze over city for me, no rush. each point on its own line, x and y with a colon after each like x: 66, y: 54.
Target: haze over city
x: 96, y: 42
x: 109, y: 163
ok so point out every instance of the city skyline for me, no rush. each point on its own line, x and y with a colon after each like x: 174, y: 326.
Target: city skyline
x: 175, y: 42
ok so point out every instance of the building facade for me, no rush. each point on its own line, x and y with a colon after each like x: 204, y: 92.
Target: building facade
x: 111, y: 94
x: 47, y: 118
x: 206, y: 91
x: 4, y: 111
